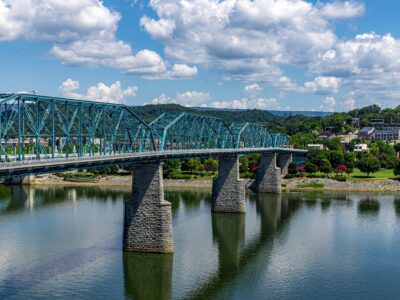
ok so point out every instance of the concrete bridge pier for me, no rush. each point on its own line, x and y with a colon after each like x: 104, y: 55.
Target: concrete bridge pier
x: 268, y: 177
x: 148, y: 217
x: 284, y: 160
x: 228, y: 192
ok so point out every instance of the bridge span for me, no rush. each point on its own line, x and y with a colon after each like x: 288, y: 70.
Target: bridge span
x: 40, y: 134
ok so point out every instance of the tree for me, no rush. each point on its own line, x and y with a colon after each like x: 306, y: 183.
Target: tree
x: 396, y: 170
x: 336, y: 158
x: 350, y: 159
x: 211, y: 164
x: 292, y: 168
x: 191, y: 164
x: 316, y: 156
x: 397, y: 147
x: 171, y: 166
x: 244, y: 164
x: 368, y: 164
x: 310, y: 168
x: 326, y: 166
x: 349, y: 171
x: 333, y: 144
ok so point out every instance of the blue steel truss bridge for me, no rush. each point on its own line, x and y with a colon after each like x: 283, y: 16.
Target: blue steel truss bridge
x: 41, y: 134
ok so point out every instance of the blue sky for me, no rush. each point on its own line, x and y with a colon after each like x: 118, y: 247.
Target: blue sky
x: 267, y: 54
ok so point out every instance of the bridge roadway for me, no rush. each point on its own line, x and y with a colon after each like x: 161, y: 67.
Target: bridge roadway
x: 30, y: 167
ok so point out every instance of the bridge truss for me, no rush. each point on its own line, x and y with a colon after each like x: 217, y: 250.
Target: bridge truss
x: 34, y: 127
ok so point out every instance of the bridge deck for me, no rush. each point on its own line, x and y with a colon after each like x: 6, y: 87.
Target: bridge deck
x: 8, y: 169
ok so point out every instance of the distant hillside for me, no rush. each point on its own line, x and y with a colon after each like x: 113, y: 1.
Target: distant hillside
x: 150, y: 112
x: 283, y: 113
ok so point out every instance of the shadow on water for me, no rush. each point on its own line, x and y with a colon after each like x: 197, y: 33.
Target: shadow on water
x: 368, y: 207
x: 19, y: 198
x: 148, y: 275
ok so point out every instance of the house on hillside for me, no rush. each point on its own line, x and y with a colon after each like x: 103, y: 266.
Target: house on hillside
x: 387, y: 134
x: 361, y: 148
x: 367, y: 133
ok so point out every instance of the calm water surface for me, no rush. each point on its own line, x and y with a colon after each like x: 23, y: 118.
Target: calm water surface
x: 65, y: 243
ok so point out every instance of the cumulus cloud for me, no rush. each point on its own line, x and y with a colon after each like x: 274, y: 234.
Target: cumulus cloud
x: 252, y: 88
x: 247, y: 40
x: 342, y: 10
x: 81, y: 33
x: 321, y: 85
x: 178, y: 71
x: 368, y: 64
x: 100, y: 92
x: 244, y: 103
x: 189, y: 98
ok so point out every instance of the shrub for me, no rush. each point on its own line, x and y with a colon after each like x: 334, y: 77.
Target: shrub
x: 289, y: 176
x: 341, y: 169
x: 316, y: 175
x: 180, y: 176
x: 310, y: 167
x: 292, y: 168
x: 313, y: 185
x: 326, y: 166
x: 339, y: 178
x: 300, y: 169
x: 247, y: 175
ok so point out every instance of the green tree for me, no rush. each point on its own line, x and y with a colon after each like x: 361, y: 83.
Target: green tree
x: 316, y: 156
x: 333, y: 144
x: 310, y: 168
x: 396, y: 170
x: 211, y: 164
x: 326, y: 166
x: 368, y: 164
x: 349, y: 170
x: 244, y: 164
x: 336, y: 158
x: 350, y: 159
x: 191, y: 164
x: 170, y: 167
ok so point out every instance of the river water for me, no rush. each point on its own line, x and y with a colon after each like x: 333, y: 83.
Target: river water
x: 65, y: 243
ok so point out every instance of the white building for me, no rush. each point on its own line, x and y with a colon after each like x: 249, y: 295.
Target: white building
x: 361, y: 148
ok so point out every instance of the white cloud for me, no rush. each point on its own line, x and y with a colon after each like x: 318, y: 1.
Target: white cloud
x: 340, y: 10
x: 247, y: 40
x: 244, y: 103
x: 252, y: 88
x: 160, y: 29
x: 368, y: 64
x: 100, y: 92
x: 329, y: 104
x: 321, y: 85
x: 189, y: 98
x: 178, y: 71
x: 82, y: 32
